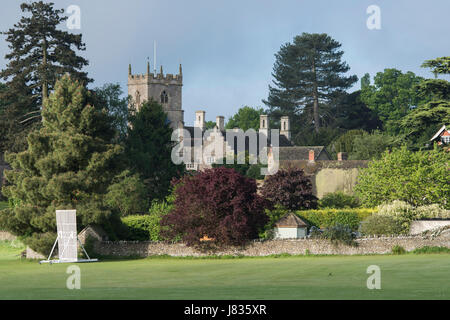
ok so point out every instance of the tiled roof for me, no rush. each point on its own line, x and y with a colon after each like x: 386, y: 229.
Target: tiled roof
x: 291, y: 220
x: 299, y: 153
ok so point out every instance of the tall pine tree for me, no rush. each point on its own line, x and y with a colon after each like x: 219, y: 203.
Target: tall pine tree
x: 40, y: 53
x: 308, y: 75
x: 69, y: 164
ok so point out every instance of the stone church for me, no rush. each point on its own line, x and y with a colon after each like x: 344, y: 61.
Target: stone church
x: 167, y: 90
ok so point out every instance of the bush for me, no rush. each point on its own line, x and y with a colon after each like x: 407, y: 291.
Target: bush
x: 127, y: 194
x: 370, y: 146
x: 218, y: 203
x: 380, y: 225
x: 398, y: 250
x: 432, y: 211
x: 401, y: 212
x: 147, y: 227
x: 428, y: 249
x: 340, y: 234
x: 324, y: 218
x: 418, y: 178
x: 338, y: 200
x: 289, y: 188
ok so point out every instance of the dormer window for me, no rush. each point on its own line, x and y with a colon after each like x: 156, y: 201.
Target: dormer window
x: 164, y: 97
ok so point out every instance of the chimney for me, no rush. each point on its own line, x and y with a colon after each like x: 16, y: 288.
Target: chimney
x: 311, y: 155
x: 200, y: 119
x: 220, y: 123
x: 285, y: 127
x: 264, y: 124
x: 342, y: 156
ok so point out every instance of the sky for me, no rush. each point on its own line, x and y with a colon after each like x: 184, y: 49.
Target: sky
x: 227, y: 47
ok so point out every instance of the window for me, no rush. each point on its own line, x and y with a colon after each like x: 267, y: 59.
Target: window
x: 445, y: 139
x: 138, y: 98
x: 164, y: 97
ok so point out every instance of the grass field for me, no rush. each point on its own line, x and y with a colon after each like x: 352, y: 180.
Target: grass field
x: 305, y: 277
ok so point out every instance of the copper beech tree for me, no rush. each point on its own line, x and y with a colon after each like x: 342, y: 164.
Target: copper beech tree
x: 290, y: 189
x: 219, y: 205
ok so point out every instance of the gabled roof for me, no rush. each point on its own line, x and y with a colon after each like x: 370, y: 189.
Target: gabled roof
x: 300, y: 153
x: 291, y: 220
x: 438, y: 133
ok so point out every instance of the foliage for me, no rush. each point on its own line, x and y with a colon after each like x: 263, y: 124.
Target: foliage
x: 370, y: 146
x: 392, y: 96
x: 218, y: 203
x: 344, y: 143
x: 338, y: 200
x: 69, y: 164
x: 110, y: 96
x: 431, y: 250
x: 398, y: 250
x: 245, y: 118
x: 40, y: 54
x: 289, y: 188
x: 438, y: 65
x: 340, y: 234
x: 324, y: 218
x: 308, y: 74
x: 308, y: 137
x: 418, y: 178
x: 149, y: 147
x: 246, y: 169
x: 127, y: 193
x: 432, y: 211
x: 380, y: 225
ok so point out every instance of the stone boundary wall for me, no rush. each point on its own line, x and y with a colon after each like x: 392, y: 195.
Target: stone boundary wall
x: 263, y: 248
x: 5, y: 235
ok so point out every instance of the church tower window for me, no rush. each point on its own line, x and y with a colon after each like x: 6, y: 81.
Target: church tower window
x: 164, y: 97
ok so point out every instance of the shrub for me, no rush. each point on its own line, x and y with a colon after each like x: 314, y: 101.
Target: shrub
x: 398, y: 250
x: 218, y: 203
x: 401, y: 212
x: 432, y: 211
x: 147, y: 227
x: 127, y: 194
x: 428, y: 249
x: 370, y: 146
x: 289, y: 188
x: 418, y: 178
x: 324, y: 218
x: 380, y: 225
x: 338, y: 200
x: 340, y: 234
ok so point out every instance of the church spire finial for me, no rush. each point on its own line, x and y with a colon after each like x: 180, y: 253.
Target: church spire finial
x: 181, y: 70
x: 129, y: 69
x: 148, y: 66
x: 161, y: 71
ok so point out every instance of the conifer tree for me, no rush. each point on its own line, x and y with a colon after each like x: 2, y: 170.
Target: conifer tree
x: 308, y: 75
x: 149, y: 149
x: 69, y: 164
x: 40, y: 53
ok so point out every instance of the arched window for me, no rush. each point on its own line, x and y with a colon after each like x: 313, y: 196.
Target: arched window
x: 164, y: 97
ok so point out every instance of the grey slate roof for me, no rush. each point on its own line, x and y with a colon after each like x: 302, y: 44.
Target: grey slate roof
x: 300, y: 153
x: 291, y: 220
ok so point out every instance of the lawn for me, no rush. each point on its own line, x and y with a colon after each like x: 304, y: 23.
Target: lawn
x: 305, y: 277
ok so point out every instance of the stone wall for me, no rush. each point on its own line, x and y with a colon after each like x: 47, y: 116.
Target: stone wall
x: 263, y: 248
x: 329, y: 175
x: 5, y: 235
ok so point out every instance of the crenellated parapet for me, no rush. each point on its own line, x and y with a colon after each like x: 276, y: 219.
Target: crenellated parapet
x: 155, y: 78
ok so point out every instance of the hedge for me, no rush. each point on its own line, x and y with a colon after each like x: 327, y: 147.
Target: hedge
x: 142, y: 227
x: 323, y: 218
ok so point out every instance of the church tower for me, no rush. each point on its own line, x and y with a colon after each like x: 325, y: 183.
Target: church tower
x: 165, y: 89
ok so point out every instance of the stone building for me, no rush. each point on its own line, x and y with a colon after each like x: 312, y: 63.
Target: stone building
x: 165, y: 89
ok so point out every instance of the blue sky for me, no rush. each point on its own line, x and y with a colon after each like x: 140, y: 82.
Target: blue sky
x: 227, y: 47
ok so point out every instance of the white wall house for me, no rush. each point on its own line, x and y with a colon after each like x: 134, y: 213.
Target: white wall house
x: 290, y: 226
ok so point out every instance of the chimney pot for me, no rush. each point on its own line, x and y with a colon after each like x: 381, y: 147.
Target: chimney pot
x: 311, y: 155
x: 342, y: 156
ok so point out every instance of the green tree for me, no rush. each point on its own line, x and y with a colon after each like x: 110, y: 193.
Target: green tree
x: 246, y: 118
x: 418, y: 178
x: 68, y: 164
x: 40, y: 53
x: 422, y: 122
x: 392, y: 96
x: 149, y: 149
x: 110, y: 96
x: 308, y: 75
x: 370, y: 146
x: 344, y: 143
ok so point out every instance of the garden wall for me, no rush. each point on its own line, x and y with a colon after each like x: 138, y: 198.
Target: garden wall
x: 263, y: 248
x: 420, y: 226
x: 329, y: 175
x: 5, y: 235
